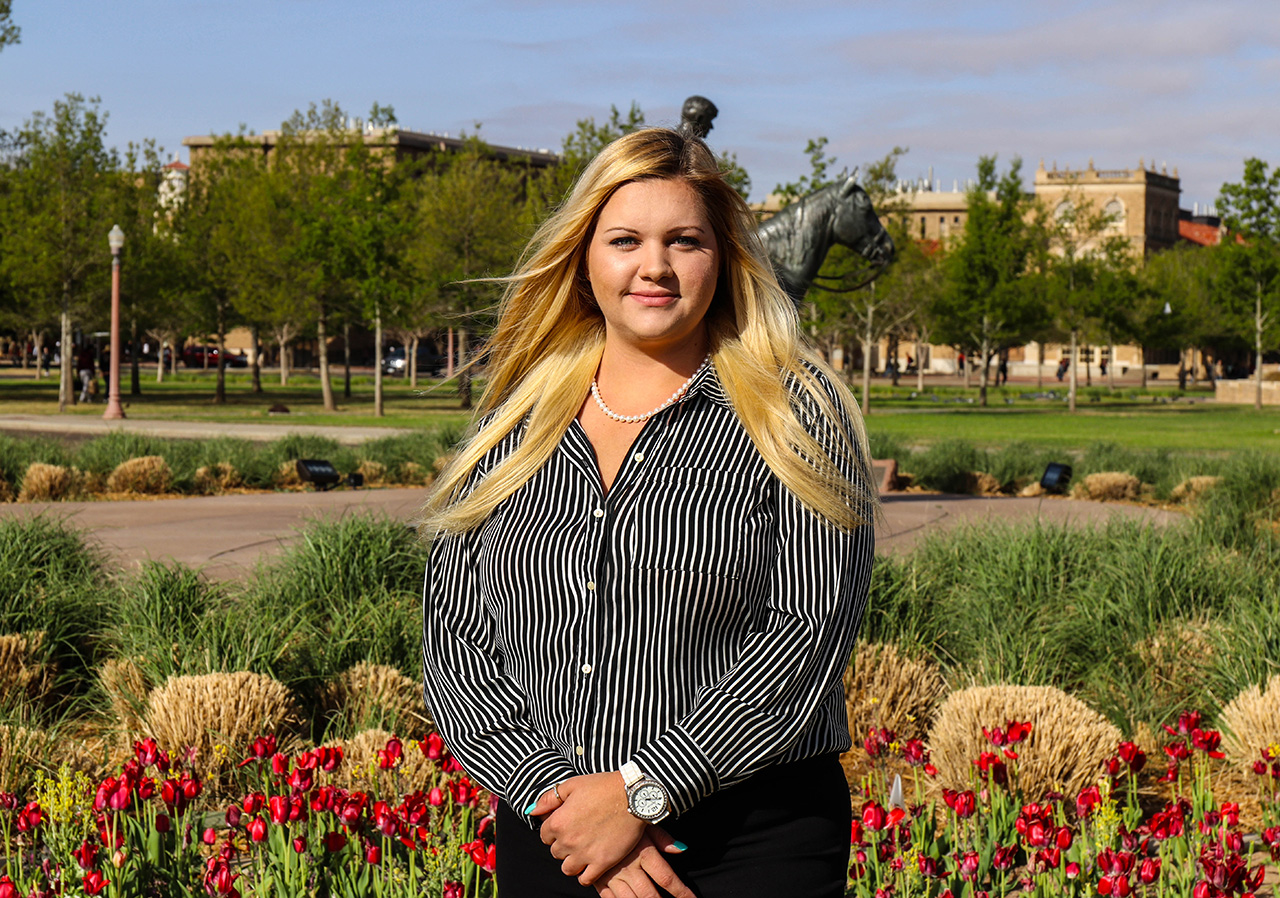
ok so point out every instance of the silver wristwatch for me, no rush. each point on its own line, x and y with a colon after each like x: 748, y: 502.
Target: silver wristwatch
x: 647, y: 798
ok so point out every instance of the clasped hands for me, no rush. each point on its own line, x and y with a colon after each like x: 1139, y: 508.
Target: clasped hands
x: 590, y: 831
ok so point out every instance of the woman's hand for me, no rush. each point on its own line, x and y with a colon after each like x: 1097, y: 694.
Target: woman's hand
x: 589, y: 827
x: 644, y: 869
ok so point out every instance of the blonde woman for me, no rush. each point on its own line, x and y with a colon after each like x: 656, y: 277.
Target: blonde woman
x: 651, y: 558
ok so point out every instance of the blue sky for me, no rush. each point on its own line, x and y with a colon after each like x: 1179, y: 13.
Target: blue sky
x: 1190, y: 84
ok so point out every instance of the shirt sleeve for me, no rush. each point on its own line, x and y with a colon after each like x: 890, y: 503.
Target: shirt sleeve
x: 481, y: 713
x: 762, y: 705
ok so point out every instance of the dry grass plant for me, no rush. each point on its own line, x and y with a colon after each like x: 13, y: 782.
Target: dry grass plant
x: 884, y: 687
x: 1177, y: 654
x: 1251, y: 722
x: 126, y: 687
x: 1068, y: 742
x: 373, y: 471
x: 286, y: 476
x: 217, y: 478
x: 6, y: 491
x: 24, y: 677
x: 1191, y: 489
x: 147, y: 474
x: 360, y: 769
x: 46, y: 483
x: 415, y: 474
x: 980, y: 483
x: 220, y: 709
x: 1108, y: 486
x: 368, y: 694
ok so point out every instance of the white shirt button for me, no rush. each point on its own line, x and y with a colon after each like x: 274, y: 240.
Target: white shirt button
x: 579, y: 750
x: 591, y: 584
x: 586, y: 668
x: 599, y: 512
x: 639, y: 456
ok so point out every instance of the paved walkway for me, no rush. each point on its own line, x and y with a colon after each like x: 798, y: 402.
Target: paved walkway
x: 227, y: 535
x: 85, y: 426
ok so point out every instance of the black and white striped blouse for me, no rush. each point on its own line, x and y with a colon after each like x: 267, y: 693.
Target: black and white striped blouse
x: 696, y: 619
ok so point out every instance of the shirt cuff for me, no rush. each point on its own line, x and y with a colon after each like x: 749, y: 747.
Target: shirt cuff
x: 676, y: 761
x: 535, y: 775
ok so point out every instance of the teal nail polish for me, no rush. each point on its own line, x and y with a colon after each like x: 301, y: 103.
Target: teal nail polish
x: 679, y: 846
x: 529, y: 809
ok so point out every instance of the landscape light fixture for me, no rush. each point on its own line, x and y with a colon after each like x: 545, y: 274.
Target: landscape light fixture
x: 1056, y: 477
x: 115, y: 240
x: 319, y: 473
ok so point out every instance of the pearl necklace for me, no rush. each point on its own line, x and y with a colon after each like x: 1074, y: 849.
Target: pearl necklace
x: 635, y: 419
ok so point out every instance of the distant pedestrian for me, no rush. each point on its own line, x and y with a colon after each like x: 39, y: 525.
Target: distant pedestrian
x: 1062, y: 369
x: 1102, y: 366
x: 84, y: 367
x: 960, y: 363
x: 1002, y: 372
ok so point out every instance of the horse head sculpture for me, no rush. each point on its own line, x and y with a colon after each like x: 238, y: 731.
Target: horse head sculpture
x: 799, y: 237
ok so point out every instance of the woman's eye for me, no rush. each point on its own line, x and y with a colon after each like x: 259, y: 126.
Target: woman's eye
x: 687, y: 240
x: 622, y: 241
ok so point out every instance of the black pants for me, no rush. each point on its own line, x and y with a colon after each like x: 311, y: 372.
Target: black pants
x: 783, y: 832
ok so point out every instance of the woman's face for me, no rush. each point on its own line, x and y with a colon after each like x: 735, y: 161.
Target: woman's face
x: 652, y: 263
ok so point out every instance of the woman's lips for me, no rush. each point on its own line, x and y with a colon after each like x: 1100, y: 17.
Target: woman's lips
x: 654, y: 299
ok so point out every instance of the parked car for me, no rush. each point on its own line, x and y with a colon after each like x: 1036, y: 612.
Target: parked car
x: 430, y: 362
x: 193, y: 357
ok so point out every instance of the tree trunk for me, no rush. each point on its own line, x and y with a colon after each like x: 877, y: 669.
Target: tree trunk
x: 220, y: 391
x: 968, y: 370
x: 160, y: 361
x: 257, y: 358
x: 173, y: 359
x: 464, y: 370
x: 895, y: 346
x: 984, y: 377
x: 135, y: 350
x: 1075, y: 374
x: 1039, y: 366
x: 378, y: 410
x: 346, y: 360
x: 282, y: 343
x: 1088, y: 366
x: 1142, y: 354
x: 865, y: 339
x: 26, y: 356
x: 920, y: 365
x: 411, y: 359
x: 1111, y: 366
x: 322, y: 351
x: 65, y: 392
x: 1257, y: 348
x: 448, y: 362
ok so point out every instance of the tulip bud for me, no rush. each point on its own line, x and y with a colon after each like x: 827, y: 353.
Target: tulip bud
x: 372, y: 854
x: 257, y: 829
x: 119, y: 857
x: 209, y: 836
x: 300, y: 844
x: 162, y: 823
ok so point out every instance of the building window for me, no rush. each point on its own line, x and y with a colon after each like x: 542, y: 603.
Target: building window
x: 1114, y: 211
x: 1062, y: 211
x: 922, y: 224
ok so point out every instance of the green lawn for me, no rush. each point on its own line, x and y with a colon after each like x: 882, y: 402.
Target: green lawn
x: 1160, y: 418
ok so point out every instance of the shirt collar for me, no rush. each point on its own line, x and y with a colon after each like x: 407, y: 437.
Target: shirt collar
x: 707, y: 384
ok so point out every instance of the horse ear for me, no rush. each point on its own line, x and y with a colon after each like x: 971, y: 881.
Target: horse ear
x: 850, y: 184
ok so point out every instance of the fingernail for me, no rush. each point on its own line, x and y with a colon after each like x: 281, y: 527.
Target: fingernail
x: 679, y: 846
x: 529, y: 809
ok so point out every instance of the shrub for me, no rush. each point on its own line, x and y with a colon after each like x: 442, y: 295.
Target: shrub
x: 1191, y: 489
x: 46, y: 483
x: 420, y: 450
x: 1107, y: 486
x: 286, y: 475
x: 105, y: 454
x: 6, y: 492
x: 369, y: 695
x: 884, y: 687
x: 18, y: 453
x: 126, y: 687
x: 946, y: 466
x: 147, y: 474
x: 1251, y: 722
x: 1068, y: 741
x: 885, y: 446
x: 232, y: 709
x: 372, y: 471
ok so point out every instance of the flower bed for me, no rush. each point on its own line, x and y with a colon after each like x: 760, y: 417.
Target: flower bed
x: 280, y: 827
x: 992, y: 839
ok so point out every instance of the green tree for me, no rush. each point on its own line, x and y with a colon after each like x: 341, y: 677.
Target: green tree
x: 55, y: 218
x: 1251, y: 263
x: 985, y: 305
x: 469, y: 214
x: 9, y: 32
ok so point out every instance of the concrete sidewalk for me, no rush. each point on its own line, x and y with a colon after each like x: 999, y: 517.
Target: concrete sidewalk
x: 227, y: 535
x: 86, y: 426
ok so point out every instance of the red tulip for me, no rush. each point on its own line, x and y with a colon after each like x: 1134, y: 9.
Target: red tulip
x: 1207, y: 741
x: 279, y: 764
x: 432, y: 747
x: 389, y: 757
x: 914, y: 753
x: 95, y: 882
x: 1149, y: 872
x: 86, y: 855
x: 233, y: 816
x: 301, y: 780
x: 874, y: 817
x: 209, y: 836
x: 335, y: 841
x: 1132, y: 755
x: 9, y: 890
x: 990, y: 766
x: 257, y: 829
x: 435, y: 797
x: 1004, y: 857
x: 254, y: 802
x: 162, y: 823
x: 1088, y: 799
x: 1064, y: 838
x: 372, y: 854
x: 262, y: 748
x: 329, y: 758
x: 967, y: 866
x: 299, y: 844
x: 308, y: 760
x: 931, y: 866
x: 451, y: 890
x: 1072, y: 870
x: 1017, y: 732
x: 278, y: 808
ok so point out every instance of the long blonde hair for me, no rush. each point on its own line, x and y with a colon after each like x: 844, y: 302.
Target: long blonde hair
x: 550, y: 336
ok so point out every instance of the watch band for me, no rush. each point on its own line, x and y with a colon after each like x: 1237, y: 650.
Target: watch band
x: 630, y: 774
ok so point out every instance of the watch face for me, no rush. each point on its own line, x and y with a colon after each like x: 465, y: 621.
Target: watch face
x: 649, y: 801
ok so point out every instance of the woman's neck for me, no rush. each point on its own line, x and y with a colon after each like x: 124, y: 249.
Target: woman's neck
x: 633, y: 380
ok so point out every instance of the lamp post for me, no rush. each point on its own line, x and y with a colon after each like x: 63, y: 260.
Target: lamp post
x: 114, y: 410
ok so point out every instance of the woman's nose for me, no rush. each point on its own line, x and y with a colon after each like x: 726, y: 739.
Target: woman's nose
x: 655, y: 263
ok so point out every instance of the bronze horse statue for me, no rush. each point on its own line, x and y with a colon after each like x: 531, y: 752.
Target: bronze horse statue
x: 799, y: 237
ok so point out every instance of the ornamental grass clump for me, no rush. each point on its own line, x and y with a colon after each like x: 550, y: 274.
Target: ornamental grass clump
x: 126, y: 687
x: 1192, y: 489
x: 886, y: 688
x: 46, y: 483
x: 375, y: 695
x: 1108, y: 486
x: 373, y: 472
x: 1067, y: 745
x: 1251, y: 725
x: 219, y: 477
x: 147, y: 475
x: 376, y: 757
x: 199, y: 712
